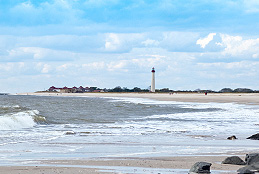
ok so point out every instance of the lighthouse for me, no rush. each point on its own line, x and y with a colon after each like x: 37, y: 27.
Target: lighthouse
x: 153, y: 89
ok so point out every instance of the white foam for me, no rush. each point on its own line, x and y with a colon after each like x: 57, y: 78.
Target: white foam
x: 14, y: 106
x: 191, y: 105
x: 18, y: 120
x: 140, y: 101
x: 220, y: 119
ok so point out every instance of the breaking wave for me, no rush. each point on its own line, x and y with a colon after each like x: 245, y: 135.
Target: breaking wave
x: 21, y: 120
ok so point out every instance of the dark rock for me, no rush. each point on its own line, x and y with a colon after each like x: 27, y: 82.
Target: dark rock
x: 251, y: 169
x: 245, y: 170
x: 200, y: 167
x: 233, y: 160
x: 232, y: 137
x: 70, y: 133
x: 254, y: 137
x: 252, y: 158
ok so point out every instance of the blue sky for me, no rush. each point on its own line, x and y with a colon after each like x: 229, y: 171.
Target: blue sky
x: 108, y: 43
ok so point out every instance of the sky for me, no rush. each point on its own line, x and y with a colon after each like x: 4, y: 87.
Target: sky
x: 205, y: 44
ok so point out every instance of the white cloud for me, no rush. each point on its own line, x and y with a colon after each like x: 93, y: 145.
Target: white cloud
x: 255, y: 56
x: 47, y: 12
x: 62, y: 67
x: 175, y: 55
x: 65, y: 42
x: 94, y: 65
x: 118, y: 65
x: 46, y: 68
x: 152, y: 60
x: 21, y: 64
x: 238, y: 47
x: 6, y: 67
x: 24, y: 7
x: 246, y: 68
x: 11, y: 69
x: 112, y: 42
x: 70, y: 47
x: 117, y: 42
x: 150, y: 42
x: 233, y: 74
x: 43, y: 67
x: 176, y: 41
x: 251, y: 6
x: 36, y: 53
x: 205, y: 41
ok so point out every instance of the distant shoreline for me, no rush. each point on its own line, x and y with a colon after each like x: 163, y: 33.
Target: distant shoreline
x: 240, y: 98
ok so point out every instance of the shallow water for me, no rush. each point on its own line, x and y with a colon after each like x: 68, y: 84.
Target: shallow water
x: 37, y: 127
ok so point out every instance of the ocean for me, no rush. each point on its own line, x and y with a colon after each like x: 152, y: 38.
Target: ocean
x: 56, y: 128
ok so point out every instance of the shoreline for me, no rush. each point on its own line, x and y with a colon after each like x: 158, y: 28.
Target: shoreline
x: 182, y: 164
x: 239, y: 98
x: 124, y: 164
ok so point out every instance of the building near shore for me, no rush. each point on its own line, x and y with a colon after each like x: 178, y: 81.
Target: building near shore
x: 74, y: 89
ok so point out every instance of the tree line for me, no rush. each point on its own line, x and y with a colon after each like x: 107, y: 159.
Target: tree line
x: 167, y: 90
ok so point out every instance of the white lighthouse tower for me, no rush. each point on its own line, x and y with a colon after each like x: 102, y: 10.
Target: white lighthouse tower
x: 153, y: 89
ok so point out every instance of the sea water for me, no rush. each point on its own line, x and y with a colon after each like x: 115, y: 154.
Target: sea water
x: 53, y: 128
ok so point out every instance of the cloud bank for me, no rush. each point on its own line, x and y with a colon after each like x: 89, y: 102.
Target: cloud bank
x: 116, y: 43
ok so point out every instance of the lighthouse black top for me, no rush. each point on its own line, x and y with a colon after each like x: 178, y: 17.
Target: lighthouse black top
x: 153, y: 69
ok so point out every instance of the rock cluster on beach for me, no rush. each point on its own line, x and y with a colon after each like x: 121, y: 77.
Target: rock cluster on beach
x: 251, y: 162
x: 251, y: 165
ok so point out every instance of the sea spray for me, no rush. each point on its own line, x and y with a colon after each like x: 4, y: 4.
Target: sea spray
x: 16, y: 121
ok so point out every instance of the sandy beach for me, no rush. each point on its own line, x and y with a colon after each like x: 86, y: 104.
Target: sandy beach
x: 115, y: 165
x: 139, y: 165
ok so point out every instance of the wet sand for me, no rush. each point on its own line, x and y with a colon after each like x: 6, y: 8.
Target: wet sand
x: 116, y: 165
x: 44, y: 170
x: 113, y: 165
